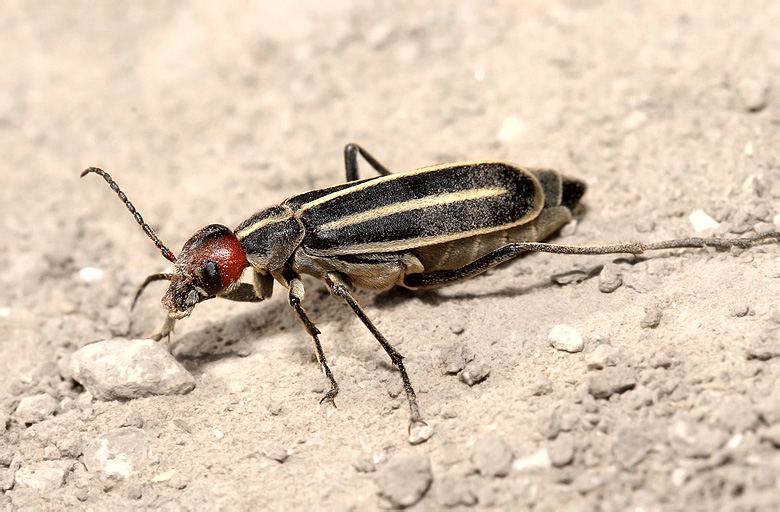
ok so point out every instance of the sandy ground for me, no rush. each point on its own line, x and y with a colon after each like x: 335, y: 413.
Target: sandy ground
x: 205, y: 114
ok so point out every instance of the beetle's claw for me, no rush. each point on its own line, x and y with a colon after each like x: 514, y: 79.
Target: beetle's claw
x: 330, y: 398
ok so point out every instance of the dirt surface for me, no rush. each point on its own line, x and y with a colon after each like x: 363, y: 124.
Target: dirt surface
x: 206, y: 113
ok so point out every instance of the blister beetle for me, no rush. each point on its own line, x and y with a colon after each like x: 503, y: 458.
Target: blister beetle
x: 419, y: 229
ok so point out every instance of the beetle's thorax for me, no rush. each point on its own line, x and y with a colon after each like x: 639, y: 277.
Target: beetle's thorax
x: 270, y: 237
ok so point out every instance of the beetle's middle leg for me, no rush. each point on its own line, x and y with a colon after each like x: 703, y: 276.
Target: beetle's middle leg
x: 338, y: 288
x: 296, y: 297
x: 350, y: 162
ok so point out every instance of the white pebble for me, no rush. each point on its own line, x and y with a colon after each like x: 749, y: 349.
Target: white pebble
x: 537, y: 460
x: 511, y: 129
x: 218, y: 433
x: 419, y: 433
x: 5, y: 312
x: 701, y: 221
x: 90, y: 274
x: 566, y: 338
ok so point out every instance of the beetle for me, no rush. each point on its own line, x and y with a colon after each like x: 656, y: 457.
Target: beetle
x: 418, y: 229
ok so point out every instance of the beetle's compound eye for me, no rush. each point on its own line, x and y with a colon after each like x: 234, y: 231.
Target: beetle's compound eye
x: 213, y: 258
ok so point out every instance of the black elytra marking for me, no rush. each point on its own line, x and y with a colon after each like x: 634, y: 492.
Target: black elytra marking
x: 518, y: 199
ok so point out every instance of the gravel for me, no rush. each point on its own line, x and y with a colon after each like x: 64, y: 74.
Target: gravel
x: 126, y: 369
x: 404, y: 481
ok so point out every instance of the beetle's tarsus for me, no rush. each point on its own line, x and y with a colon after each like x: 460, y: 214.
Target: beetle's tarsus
x: 330, y: 397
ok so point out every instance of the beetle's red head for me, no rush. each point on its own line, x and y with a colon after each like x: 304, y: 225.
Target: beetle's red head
x: 210, y: 262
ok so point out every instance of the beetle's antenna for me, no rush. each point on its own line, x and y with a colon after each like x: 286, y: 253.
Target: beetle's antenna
x: 140, y: 220
x: 151, y: 278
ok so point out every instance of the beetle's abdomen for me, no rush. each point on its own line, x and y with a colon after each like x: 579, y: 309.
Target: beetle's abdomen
x: 428, y: 206
x: 561, y: 196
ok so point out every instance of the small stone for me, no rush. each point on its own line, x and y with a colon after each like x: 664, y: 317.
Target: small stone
x: 363, y: 463
x: 133, y: 492
x: 735, y: 413
x: 120, y: 452
x: 645, y: 225
x: 69, y: 447
x: 5, y: 419
x: 696, y: 440
x: 178, y: 482
x: 574, y: 276
x: 164, y: 476
x: 610, y: 278
x: 753, y: 92
x: 634, y: 120
x: 679, y: 477
x: 631, y: 446
x: 771, y: 434
x: 548, y: 423
x: 405, y: 480
x: 769, y: 407
x: 7, y: 480
x: 492, y: 456
x: 276, y: 452
x: 763, y: 345
x: 454, y: 358
x: 133, y: 419
x: 589, y: 480
x: 274, y: 407
x: 611, y: 380
x: 652, y: 318
x: 457, y: 327
x: 641, y: 397
x: 121, y: 369
x: 36, y: 408
x: 701, y: 221
x: 602, y: 356
x: 420, y: 432
x: 537, y: 460
x: 453, y: 493
x: 660, y: 360
x: 541, y: 387
x: 511, y: 129
x: 475, y: 372
x: 562, y: 450
x: 565, y: 338
x: 91, y: 274
x: 47, y: 475
x: 51, y: 452
x: 570, y: 228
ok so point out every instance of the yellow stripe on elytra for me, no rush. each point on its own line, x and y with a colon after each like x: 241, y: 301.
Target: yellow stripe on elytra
x: 413, y: 204
x: 377, y: 181
x: 262, y: 223
x: 407, y: 244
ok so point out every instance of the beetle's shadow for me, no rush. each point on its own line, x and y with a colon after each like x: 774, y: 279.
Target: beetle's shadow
x: 437, y: 295
x: 235, y: 336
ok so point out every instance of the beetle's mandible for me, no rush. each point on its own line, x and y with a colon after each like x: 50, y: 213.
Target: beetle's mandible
x: 423, y: 228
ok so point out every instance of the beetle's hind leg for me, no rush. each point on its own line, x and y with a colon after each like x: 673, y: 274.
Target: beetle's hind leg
x: 511, y: 251
x: 350, y: 162
x: 338, y: 288
x: 296, y: 297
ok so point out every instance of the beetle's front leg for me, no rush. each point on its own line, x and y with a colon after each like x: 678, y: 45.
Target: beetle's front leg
x: 340, y: 289
x: 244, y: 292
x: 295, y: 286
x: 166, y: 330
